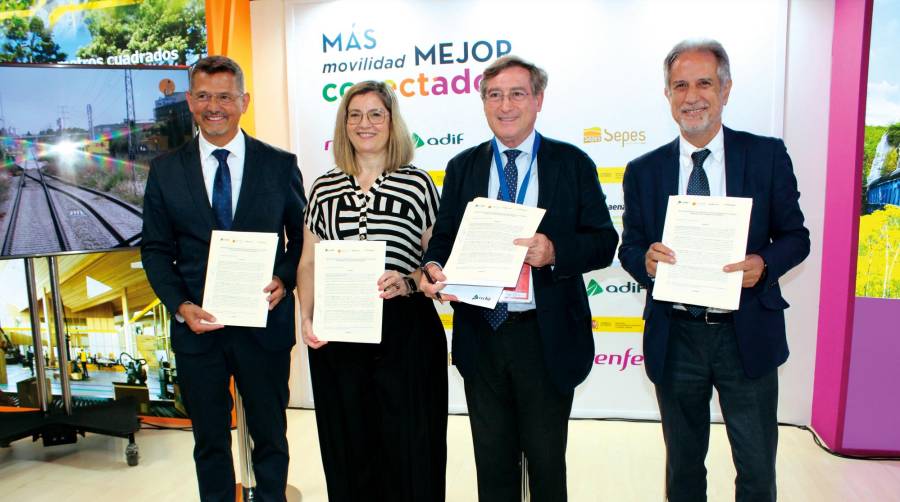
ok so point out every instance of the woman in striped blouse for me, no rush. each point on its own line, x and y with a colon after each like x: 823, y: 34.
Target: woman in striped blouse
x: 381, y: 409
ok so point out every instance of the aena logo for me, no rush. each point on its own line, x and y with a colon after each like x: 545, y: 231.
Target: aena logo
x: 448, y: 139
x: 594, y: 288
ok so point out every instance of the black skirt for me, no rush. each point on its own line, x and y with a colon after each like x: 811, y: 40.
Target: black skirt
x: 381, y: 409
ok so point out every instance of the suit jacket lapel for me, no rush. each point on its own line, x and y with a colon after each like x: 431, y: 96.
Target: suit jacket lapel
x: 548, y: 174
x: 735, y: 163
x: 251, y: 175
x: 193, y: 173
x: 668, y: 180
x: 482, y: 171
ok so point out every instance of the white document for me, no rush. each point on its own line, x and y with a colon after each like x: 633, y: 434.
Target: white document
x: 706, y: 233
x: 483, y: 253
x: 348, y: 304
x: 240, y: 266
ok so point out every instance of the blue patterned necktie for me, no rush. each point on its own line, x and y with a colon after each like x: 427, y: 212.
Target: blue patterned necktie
x: 496, y: 316
x: 698, y: 184
x: 221, y: 196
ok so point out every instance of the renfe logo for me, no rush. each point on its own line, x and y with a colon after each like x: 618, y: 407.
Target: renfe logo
x: 622, y: 361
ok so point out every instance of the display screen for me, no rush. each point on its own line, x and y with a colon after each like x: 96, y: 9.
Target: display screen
x: 75, y: 145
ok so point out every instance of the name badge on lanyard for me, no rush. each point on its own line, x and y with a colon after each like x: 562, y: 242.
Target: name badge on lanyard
x: 523, y: 291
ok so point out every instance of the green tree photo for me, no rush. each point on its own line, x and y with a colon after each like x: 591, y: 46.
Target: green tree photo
x: 27, y: 40
x: 153, y: 24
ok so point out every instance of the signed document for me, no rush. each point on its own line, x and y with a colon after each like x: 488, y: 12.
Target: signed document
x: 240, y: 266
x: 706, y: 233
x: 483, y: 253
x: 348, y: 304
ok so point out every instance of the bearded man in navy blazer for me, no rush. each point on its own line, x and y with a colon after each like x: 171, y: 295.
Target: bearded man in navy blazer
x: 689, y: 349
x: 522, y: 361
x: 226, y: 180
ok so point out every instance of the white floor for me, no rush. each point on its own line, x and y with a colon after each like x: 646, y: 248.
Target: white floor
x: 609, y: 461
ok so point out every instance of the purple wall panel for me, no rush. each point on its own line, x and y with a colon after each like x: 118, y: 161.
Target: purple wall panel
x: 872, y: 416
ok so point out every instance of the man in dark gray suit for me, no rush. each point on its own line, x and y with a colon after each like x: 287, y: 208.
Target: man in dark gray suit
x: 522, y: 361
x: 226, y: 180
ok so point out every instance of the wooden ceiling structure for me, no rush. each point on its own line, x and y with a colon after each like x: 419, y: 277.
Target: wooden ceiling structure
x: 121, y: 271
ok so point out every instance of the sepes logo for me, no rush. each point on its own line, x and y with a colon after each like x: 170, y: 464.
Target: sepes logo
x: 622, y: 138
x: 447, y: 139
x: 594, y: 288
x: 622, y: 361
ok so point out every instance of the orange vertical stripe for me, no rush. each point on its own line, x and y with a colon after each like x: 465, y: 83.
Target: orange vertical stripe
x: 228, y: 34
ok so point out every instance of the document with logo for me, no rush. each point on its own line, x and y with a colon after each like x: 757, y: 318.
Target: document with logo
x: 239, y: 267
x: 483, y: 253
x: 706, y: 233
x: 480, y: 296
x: 347, y: 303
x: 488, y: 296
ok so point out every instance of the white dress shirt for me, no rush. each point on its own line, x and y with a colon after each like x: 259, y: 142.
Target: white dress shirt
x: 236, y: 154
x: 714, y: 164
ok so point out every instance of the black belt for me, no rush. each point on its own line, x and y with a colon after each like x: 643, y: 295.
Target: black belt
x: 706, y: 317
x: 525, y: 315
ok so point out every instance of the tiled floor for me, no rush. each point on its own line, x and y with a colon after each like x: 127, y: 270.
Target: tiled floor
x: 608, y: 461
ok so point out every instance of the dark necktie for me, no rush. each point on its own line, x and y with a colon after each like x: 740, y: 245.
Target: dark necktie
x: 698, y: 184
x: 221, y: 196
x: 496, y: 316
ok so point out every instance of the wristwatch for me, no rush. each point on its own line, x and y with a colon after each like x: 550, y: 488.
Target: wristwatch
x: 411, y: 286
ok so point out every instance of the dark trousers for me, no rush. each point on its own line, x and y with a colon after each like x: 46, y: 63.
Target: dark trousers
x: 381, y: 409
x: 702, y: 356
x: 262, y: 379
x: 513, y: 408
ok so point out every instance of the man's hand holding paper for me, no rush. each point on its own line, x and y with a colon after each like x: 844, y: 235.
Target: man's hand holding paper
x: 706, y: 238
x: 238, y: 278
x: 490, y: 249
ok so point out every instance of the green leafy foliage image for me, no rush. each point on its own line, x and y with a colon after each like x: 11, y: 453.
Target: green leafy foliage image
x: 26, y: 40
x: 115, y: 33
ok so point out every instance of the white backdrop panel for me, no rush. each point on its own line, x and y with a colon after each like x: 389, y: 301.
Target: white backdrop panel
x: 605, y: 94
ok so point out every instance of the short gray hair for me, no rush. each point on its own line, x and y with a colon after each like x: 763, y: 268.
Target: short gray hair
x: 723, y: 66
x: 538, y: 75
x: 211, y: 65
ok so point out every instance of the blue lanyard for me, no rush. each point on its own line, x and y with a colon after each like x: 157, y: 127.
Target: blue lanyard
x: 504, y: 188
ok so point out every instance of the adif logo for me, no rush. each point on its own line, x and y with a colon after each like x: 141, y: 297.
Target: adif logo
x: 622, y: 361
x: 601, y: 135
x: 448, y: 139
x: 594, y: 288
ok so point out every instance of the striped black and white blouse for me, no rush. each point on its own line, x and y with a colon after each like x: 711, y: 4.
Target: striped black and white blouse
x: 397, y: 209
